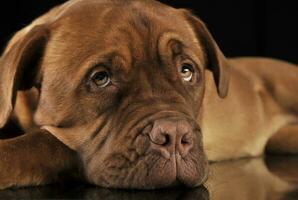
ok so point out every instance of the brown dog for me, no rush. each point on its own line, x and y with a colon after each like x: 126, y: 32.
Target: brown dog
x: 120, y: 84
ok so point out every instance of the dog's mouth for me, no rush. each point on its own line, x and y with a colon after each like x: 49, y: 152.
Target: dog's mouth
x: 166, y: 152
x: 152, y: 171
x: 177, y: 171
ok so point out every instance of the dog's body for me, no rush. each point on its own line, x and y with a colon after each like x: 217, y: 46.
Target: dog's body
x: 260, y: 102
x: 261, y: 105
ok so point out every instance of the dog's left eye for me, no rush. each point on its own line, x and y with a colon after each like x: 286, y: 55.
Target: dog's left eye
x: 186, y: 72
x: 101, y: 79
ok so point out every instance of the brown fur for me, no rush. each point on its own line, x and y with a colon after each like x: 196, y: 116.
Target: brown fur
x: 45, y: 86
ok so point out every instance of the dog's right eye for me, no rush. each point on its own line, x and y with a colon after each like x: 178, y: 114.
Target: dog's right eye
x: 101, y: 78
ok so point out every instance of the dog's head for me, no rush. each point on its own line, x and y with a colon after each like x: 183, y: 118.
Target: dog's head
x: 120, y: 82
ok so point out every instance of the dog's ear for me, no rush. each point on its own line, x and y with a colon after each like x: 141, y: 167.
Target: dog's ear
x: 18, y: 67
x: 216, y: 61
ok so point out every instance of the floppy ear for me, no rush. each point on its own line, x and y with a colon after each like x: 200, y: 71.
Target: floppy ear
x: 216, y: 61
x: 18, y: 67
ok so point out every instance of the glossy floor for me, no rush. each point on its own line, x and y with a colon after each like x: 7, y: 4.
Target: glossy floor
x: 271, y: 178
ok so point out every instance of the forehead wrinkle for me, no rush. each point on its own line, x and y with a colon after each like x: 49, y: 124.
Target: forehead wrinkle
x: 150, y: 23
x: 140, y: 31
x: 110, y: 39
x: 195, y: 43
x: 112, y: 59
x: 189, y: 46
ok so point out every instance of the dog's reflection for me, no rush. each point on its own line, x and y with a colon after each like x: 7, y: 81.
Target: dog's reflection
x: 92, y: 192
x: 258, y: 179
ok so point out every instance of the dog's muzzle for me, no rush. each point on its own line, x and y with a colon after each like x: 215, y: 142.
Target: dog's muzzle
x: 175, y: 143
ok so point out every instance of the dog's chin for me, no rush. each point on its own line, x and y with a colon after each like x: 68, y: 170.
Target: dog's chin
x: 154, y: 172
x: 176, y: 171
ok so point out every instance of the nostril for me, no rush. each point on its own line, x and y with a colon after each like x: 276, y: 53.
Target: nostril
x: 186, y: 138
x: 167, y: 140
x: 184, y: 142
x: 162, y: 139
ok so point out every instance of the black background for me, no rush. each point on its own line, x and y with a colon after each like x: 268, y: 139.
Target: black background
x: 241, y: 27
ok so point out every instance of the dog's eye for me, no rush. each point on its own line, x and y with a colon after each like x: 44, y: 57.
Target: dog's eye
x: 101, y: 79
x: 186, y: 72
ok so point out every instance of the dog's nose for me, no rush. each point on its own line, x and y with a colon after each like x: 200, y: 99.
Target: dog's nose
x: 171, y: 136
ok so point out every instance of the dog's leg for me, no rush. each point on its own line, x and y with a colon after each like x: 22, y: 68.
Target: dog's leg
x: 282, y: 84
x: 34, y: 159
x: 285, y: 141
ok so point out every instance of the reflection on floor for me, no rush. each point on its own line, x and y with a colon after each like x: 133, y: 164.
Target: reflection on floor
x: 254, y: 179
x: 272, y: 178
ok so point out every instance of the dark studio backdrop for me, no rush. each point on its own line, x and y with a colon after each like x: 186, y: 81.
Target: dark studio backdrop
x: 241, y: 27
